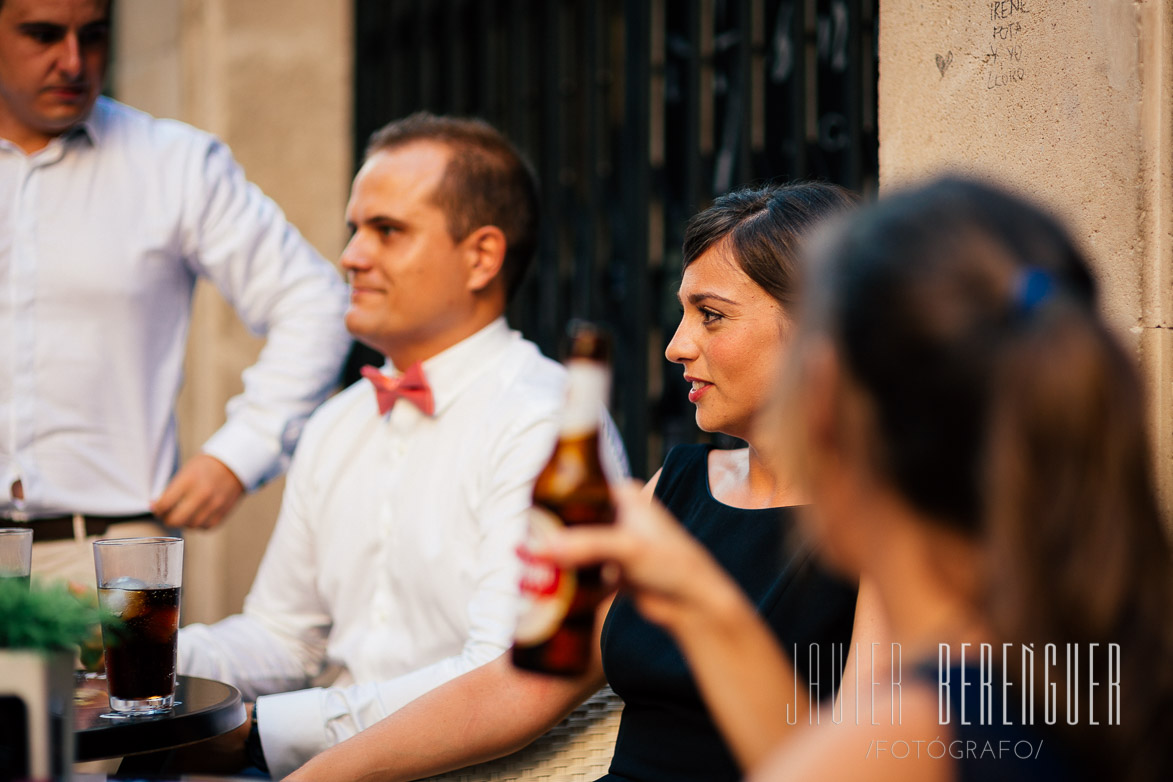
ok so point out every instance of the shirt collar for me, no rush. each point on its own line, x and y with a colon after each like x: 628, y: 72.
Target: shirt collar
x: 89, y: 128
x: 452, y: 370
x: 92, y: 128
x: 94, y: 125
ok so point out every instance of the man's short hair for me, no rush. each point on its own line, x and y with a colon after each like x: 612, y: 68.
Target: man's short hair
x: 109, y: 6
x: 486, y: 182
x: 109, y: 9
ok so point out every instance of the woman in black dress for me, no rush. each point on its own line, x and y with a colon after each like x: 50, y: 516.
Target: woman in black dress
x: 739, y: 283
x: 974, y: 444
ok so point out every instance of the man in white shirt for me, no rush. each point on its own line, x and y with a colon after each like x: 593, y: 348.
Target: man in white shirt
x: 107, y: 219
x: 394, y: 557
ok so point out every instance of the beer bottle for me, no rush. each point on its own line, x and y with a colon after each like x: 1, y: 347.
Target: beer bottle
x: 555, y: 630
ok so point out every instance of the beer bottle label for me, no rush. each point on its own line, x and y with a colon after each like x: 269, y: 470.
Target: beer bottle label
x: 546, y: 590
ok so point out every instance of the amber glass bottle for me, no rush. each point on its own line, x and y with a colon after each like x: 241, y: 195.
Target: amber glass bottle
x: 556, y: 628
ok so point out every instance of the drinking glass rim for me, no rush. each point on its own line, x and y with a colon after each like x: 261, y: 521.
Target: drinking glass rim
x: 16, y: 531
x: 158, y: 541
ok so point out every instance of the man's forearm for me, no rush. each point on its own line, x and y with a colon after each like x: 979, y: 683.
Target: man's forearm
x: 489, y: 712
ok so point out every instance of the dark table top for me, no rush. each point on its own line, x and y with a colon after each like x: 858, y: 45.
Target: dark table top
x: 204, y: 709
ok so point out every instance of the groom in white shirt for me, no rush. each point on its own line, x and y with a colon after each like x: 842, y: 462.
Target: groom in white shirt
x: 393, y: 555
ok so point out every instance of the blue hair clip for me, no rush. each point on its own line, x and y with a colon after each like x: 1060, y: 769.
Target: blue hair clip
x: 1033, y: 287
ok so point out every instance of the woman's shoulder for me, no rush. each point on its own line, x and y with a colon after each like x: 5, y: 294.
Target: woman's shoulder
x: 683, y: 480
x: 689, y: 479
x: 682, y: 460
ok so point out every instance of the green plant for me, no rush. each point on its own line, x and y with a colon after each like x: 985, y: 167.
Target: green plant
x: 46, y: 617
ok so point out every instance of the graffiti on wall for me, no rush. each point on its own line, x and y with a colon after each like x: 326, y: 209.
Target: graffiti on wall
x: 1007, y: 22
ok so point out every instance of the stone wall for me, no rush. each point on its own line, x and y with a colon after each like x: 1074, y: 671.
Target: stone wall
x: 273, y: 79
x: 1069, y: 101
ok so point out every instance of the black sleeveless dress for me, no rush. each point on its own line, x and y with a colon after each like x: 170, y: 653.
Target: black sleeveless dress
x: 666, y: 734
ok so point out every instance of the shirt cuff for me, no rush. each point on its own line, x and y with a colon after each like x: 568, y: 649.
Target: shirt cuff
x: 252, y: 458
x: 292, y: 728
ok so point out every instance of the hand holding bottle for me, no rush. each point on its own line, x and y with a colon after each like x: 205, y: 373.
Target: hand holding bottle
x: 555, y: 631
x: 671, y: 577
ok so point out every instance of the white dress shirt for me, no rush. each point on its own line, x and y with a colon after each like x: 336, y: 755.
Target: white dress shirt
x: 394, y: 552
x: 103, y: 234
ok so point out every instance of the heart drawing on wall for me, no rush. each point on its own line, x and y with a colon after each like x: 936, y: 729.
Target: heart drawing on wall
x: 943, y: 63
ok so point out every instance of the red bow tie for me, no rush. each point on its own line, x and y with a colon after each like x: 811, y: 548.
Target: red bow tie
x: 411, y: 385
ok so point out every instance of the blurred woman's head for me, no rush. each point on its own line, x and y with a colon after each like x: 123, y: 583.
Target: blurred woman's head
x: 741, y: 280
x: 923, y: 296
x: 984, y: 391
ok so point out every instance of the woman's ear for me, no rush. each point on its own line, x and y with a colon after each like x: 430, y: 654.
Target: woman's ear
x: 486, y: 256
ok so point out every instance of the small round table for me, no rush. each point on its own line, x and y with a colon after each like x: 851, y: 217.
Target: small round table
x: 204, y: 709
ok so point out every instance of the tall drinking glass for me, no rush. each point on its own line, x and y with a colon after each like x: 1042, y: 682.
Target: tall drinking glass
x: 16, y: 554
x: 139, y: 581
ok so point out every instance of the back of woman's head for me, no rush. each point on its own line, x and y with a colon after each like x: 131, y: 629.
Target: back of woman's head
x: 1005, y: 409
x: 763, y: 228
x: 922, y: 288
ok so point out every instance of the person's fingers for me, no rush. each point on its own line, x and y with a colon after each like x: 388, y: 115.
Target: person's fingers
x: 200, y: 495
x: 648, y: 519
x: 179, y: 500
x: 185, y: 512
x: 628, y: 493
x: 590, y: 545
x: 214, y: 509
x: 166, y: 501
x: 224, y: 490
x: 214, y: 516
x: 201, y: 517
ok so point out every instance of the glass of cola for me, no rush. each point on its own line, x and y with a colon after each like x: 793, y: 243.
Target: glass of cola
x: 139, y: 582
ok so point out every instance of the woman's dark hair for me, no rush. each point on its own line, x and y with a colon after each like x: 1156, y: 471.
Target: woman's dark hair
x: 764, y: 227
x: 1004, y: 408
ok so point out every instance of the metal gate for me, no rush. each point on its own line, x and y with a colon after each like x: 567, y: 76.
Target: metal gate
x: 635, y: 114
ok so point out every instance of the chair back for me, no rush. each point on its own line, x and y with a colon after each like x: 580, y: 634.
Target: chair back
x: 578, y: 749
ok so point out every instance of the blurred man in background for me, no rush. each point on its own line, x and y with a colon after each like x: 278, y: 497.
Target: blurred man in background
x: 107, y: 219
